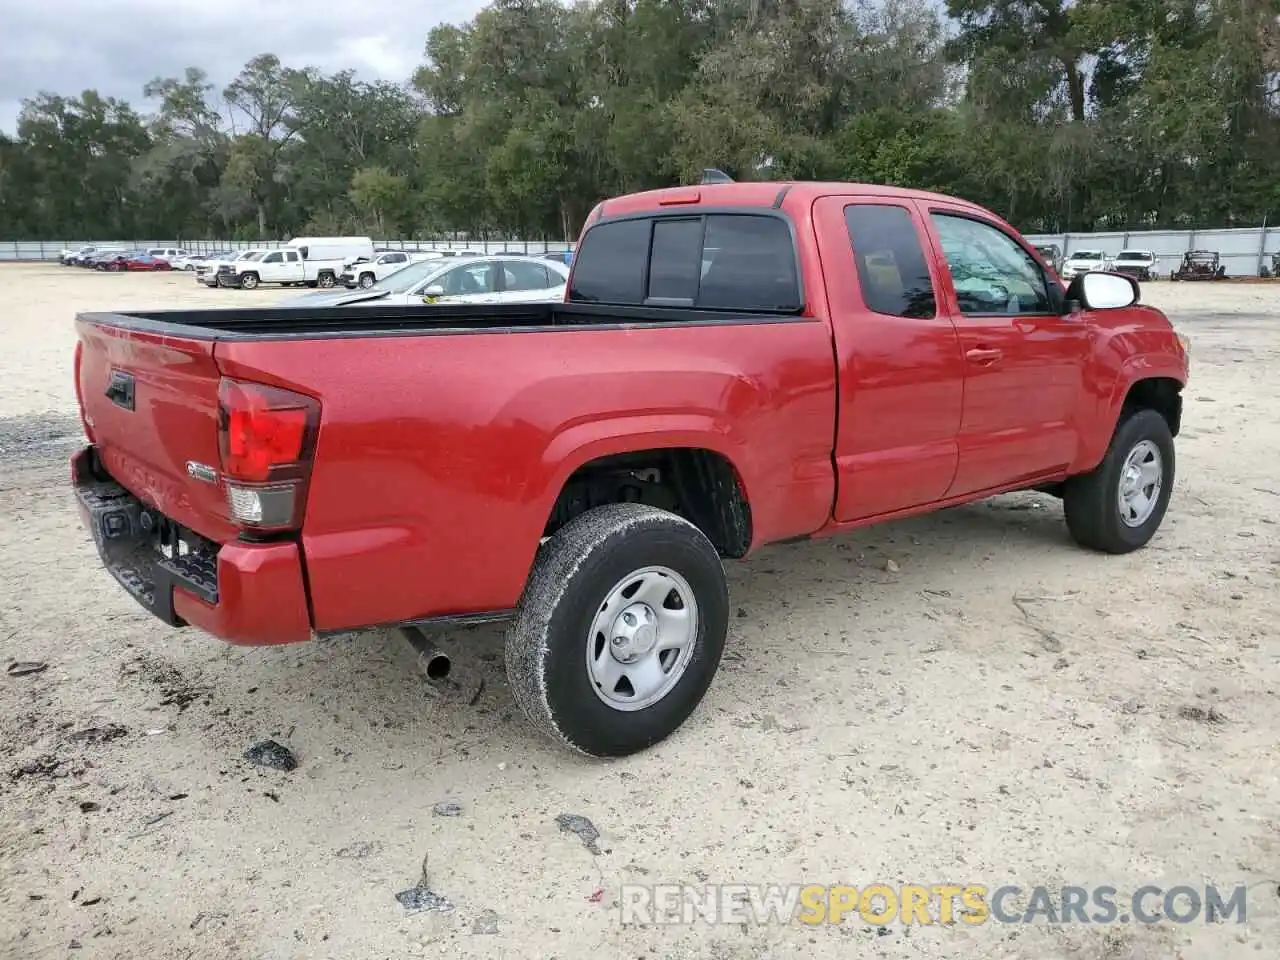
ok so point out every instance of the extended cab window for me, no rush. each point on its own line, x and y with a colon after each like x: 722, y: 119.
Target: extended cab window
x: 273, y: 258
x: 892, y: 270
x: 992, y: 273
x: 720, y: 261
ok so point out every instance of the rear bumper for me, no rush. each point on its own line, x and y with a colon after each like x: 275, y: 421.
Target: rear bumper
x: 244, y: 593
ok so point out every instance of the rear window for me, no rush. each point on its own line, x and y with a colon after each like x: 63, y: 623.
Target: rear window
x: 718, y: 261
x: 892, y: 270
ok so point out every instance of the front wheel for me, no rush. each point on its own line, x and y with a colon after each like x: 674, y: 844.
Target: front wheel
x: 366, y: 280
x: 620, y: 630
x: 249, y: 281
x: 1118, y: 506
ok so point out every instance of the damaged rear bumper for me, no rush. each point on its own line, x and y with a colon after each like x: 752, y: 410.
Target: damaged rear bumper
x: 244, y: 593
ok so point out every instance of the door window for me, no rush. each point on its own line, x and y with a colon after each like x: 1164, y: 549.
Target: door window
x: 291, y: 257
x: 469, y: 280
x: 518, y: 275
x: 892, y: 270
x: 273, y: 258
x: 992, y: 274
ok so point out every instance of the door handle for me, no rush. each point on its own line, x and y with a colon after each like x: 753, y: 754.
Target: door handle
x: 983, y: 355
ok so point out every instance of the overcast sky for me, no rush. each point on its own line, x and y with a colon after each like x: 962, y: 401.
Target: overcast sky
x: 66, y: 46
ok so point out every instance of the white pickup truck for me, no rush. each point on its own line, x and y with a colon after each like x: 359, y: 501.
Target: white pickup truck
x: 303, y: 261
x: 210, y: 272
x: 365, y: 272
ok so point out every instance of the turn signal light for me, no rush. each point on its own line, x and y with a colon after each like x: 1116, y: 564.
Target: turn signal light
x: 266, y: 437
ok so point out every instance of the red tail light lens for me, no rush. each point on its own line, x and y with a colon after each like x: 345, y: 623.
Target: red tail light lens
x: 266, y: 436
x: 77, y: 364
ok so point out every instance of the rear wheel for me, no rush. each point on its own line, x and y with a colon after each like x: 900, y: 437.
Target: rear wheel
x: 620, y: 629
x: 327, y: 280
x: 1118, y: 506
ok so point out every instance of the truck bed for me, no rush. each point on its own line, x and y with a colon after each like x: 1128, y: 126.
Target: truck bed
x: 277, y: 323
x: 427, y: 415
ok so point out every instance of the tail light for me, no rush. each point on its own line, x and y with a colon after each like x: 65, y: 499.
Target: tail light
x: 266, y: 437
x: 77, y: 363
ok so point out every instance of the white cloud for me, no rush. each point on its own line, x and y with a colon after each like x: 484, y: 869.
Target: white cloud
x: 73, y: 45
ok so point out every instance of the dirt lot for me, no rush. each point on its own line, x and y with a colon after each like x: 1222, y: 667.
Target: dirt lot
x: 996, y: 706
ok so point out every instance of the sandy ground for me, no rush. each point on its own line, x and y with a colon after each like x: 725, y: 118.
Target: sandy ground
x: 1001, y: 708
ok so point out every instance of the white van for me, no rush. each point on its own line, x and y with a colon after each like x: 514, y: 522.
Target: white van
x: 314, y: 261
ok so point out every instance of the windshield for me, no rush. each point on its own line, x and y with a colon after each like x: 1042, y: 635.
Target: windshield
x: 1134, y: 255
x: 1087, y: 255
x: 405, y: 279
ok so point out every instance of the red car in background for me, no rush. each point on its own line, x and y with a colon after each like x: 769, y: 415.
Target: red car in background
x: 136, y: 261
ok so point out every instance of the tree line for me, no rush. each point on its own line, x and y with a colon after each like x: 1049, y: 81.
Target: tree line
x: 1058, y: 114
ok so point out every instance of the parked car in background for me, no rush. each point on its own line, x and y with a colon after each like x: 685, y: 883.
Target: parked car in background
x: 1083, y: 261
x: 73, y: 257
x: 560, y: 256
x: 100, y: 255
x: 1052, y: 256
x: 500, y: 278
x: 209, y: 271
x: 1140, y: 264
x: 136, y: 261
x: 366, y: 271
x: 190, y: 261
x: 1200, y: 265
x: 166, y: 253
x: 145, y: 263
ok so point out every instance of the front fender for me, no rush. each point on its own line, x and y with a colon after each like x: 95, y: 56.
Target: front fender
x: 1099, y: 424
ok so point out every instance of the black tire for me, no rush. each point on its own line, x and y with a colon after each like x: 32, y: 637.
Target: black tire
x: 1091, y: 501
x: 367, y: 280
x: 326, y: 280
x: 249, y: 281
x: 546, y: 645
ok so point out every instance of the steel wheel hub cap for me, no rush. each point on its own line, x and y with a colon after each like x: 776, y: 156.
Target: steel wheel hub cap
x: 1141, y: 478
x: 642, y: 638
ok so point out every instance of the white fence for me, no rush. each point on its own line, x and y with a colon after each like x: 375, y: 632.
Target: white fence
x: 1243, y: 252
x: 50, y: 249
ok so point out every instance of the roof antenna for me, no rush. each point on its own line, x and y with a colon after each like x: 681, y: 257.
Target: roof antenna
x: 712, y: 175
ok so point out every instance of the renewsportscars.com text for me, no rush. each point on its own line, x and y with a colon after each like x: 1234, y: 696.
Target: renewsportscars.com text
x: 880, y: 904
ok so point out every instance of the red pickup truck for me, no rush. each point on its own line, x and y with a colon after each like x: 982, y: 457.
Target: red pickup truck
x: 734, y: 365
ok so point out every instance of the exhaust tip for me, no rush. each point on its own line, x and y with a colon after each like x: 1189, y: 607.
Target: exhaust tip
x: 436, y: 666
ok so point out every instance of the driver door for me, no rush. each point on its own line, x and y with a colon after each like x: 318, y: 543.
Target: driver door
x: 1024, y: 359
x: 271, y: 268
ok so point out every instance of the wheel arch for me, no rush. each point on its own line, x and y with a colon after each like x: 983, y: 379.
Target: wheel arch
x: 696, y: 476
x: 1142, y: 384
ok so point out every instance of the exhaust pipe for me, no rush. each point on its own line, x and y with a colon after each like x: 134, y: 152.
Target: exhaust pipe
x: 433, y: 662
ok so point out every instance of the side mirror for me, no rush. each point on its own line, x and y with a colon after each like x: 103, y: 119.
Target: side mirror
x: 435, y: 290
x: 1103, y: 291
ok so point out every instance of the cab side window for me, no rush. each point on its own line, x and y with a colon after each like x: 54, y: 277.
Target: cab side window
x: 291, y: 257
x: 273, y: 258
x: 892, y: 270
x: 992, y: 274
